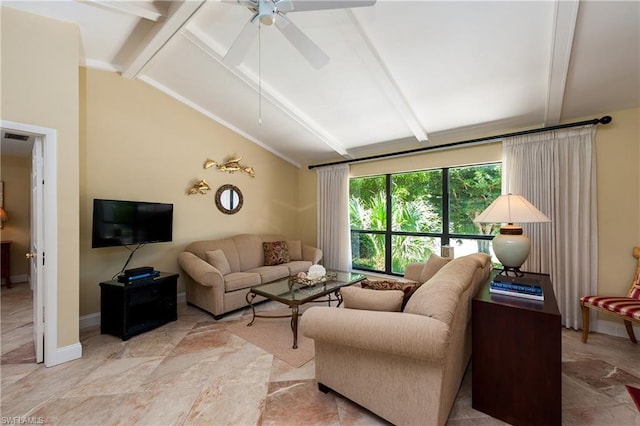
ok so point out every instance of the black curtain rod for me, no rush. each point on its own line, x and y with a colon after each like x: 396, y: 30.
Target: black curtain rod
x: 604, y: 120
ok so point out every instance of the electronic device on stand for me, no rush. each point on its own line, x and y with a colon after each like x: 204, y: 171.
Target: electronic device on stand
x: 135, y: 274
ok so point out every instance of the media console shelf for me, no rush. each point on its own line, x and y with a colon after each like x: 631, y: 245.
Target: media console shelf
x: 516, y: 363
x: 133, y: 308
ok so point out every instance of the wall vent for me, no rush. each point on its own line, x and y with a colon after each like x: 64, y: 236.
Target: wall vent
x: 14, y: 136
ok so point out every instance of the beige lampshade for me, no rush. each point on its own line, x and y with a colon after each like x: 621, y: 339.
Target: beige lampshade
x: 511, y: 208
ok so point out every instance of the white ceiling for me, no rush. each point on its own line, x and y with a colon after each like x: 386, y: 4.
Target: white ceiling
x: 402, y: 74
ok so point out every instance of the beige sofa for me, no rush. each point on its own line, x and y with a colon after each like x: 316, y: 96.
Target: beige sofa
x: 220, y: 272
x: 404, y: 366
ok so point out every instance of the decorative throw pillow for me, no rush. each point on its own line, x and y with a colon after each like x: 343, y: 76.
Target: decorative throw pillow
x: 275, y: 253
x: 295, y: 249
x: 371, y: 300
x: 218, y: 260
x: 408, y: 288
x: 433, y: 265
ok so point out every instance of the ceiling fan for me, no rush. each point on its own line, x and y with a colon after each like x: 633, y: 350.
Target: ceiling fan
x: 269, y: 12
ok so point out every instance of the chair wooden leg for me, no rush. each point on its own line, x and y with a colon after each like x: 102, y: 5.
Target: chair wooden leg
x: 629, y: 327
x: 585, y: 323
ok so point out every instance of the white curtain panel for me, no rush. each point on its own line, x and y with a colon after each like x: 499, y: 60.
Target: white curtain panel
x: 556, y: 172
x: 334, y: 234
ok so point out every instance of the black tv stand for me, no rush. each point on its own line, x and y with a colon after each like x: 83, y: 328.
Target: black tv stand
x: 128, y: 309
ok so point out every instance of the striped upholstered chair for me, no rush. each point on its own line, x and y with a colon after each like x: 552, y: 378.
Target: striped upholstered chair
x: 627, y: 308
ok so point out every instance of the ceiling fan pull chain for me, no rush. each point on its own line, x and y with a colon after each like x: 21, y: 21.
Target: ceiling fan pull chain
x: 259, y: 73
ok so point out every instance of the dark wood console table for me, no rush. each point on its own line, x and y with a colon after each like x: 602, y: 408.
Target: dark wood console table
x: 517, y: 359
x: 132, y: 308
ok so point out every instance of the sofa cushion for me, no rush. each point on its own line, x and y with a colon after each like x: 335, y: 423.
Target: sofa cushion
x: 271, y: 273
x: 408, y: 288
x: 250, y: 253
x: 433, y: 265
x: 227, y: 245
x: 295, y: 249
x: 218, y: 260
x: 371, y: 300
x: 436, y: 301
x: 275, y: 253
x: 438, y: 297
x: 240, y: 280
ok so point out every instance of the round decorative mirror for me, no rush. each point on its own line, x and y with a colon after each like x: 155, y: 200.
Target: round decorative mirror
x: 229, y: 199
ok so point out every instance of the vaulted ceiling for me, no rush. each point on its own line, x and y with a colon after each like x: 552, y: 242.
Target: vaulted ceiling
x: 401, y: 74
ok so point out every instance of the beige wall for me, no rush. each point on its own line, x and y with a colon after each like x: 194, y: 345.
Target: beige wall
x: 618, y: 155
x: 476, y: 154
x: 139, y: 144
x: 16, y: 174
x: 40, y: 87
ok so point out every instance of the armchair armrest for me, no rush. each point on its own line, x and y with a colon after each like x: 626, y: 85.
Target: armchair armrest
x: 396, y: 333
x: 312, y: 254
x: 200, y: 271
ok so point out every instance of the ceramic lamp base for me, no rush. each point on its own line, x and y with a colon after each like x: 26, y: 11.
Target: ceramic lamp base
x: 511, y: 249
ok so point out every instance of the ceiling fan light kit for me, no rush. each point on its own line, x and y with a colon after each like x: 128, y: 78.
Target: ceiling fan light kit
x: 267, y: 12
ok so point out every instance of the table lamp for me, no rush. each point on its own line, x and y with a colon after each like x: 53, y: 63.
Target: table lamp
x: 511, y: 246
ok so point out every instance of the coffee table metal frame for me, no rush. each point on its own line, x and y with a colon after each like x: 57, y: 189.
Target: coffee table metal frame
x: 298, y: 294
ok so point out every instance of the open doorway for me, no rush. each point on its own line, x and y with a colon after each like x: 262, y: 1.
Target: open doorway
x: 18, y: 340
x: 40, y: 145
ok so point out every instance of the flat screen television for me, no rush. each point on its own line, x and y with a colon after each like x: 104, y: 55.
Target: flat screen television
x: 123, y: 223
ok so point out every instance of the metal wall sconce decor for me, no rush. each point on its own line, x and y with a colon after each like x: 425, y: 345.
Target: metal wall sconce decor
x: 229, y: 199
x: 200, y: 187
x: 231, y: 165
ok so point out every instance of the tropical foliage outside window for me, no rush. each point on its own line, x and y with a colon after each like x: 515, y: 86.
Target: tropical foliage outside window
x: 397, y: 219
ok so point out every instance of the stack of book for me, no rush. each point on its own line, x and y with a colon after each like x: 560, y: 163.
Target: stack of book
x: 516, y: 286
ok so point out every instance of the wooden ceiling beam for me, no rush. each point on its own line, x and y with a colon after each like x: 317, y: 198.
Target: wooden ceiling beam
x: 566, y: 16
x: 387, y: 82
x: 141, y: 9
x: 178, y: 16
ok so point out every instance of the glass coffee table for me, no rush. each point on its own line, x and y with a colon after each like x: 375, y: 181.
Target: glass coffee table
x: 296, y: 294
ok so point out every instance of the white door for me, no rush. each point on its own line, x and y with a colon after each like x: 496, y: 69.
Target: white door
x: 37, y: 244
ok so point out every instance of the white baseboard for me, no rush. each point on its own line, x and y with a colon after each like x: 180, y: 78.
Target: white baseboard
x: 66, y: 354
x: 15, y: 279
x: 92, y: 320
x: 612, y: 328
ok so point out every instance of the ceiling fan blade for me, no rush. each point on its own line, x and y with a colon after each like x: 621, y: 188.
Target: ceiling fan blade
x: 302, y: 5
x: 242, y: 43
x: 300, y: 41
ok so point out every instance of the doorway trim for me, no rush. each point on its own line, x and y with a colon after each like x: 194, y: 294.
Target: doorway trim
x: 52, y: 355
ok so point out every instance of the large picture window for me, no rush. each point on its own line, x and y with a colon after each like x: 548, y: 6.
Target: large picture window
x: 401, y: 218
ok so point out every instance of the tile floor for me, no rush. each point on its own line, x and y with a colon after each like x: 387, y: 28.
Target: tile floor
x: 193, y: 372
